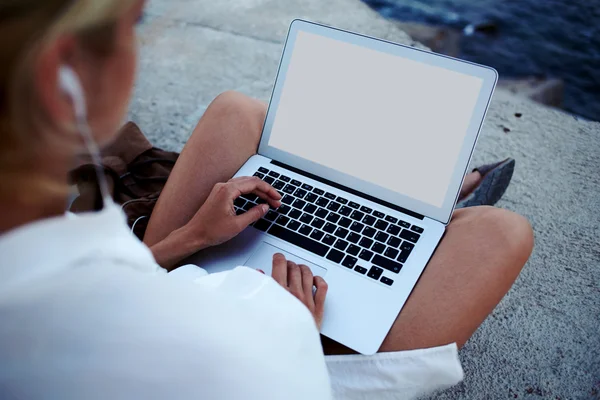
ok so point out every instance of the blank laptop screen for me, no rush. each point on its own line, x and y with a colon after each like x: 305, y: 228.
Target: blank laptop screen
x: 388, y: 120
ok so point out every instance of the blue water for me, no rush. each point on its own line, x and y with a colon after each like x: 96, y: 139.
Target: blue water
x: 554, y: 38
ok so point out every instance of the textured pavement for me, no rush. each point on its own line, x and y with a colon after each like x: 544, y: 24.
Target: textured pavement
x: 543, y: 340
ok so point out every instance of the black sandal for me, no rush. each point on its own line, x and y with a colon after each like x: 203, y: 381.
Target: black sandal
x: 495, y: 179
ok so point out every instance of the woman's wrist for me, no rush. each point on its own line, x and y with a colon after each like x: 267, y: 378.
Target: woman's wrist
x: 178, y: 245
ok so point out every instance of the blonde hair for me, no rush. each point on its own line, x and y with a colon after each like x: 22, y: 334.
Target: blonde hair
x: 26, y: 28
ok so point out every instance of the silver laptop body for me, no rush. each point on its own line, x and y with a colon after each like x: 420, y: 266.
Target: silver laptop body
x: 369, y: 142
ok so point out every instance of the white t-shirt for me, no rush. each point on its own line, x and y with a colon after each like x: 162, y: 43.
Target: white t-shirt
x: 86, y: 313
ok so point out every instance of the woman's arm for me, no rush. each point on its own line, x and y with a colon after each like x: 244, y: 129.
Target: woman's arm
x: 216, y: 222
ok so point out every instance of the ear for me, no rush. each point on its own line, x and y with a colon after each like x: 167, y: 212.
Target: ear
x: 54, y: 100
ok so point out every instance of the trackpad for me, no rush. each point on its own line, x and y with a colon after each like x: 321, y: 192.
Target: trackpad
x: 263, y: 259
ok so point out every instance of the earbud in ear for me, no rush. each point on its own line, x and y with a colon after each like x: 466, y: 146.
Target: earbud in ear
x: 70, y: 84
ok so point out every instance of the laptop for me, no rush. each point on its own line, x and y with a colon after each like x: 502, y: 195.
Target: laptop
x: 369, y: 142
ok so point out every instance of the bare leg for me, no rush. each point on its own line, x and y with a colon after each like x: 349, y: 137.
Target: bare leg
x: 478, y: 260
x: 224, y: 139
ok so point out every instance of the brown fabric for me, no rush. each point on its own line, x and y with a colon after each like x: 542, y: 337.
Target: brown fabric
x: 136, y: 173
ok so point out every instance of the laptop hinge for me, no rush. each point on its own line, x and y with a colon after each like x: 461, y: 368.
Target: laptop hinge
x: 349, y: 190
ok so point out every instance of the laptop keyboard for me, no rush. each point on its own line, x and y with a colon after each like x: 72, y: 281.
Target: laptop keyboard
x: 330, y: 226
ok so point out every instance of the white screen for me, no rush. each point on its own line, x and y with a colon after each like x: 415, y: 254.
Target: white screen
x: 384, y: 119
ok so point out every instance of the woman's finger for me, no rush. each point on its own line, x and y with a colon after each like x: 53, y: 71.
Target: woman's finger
x: 307, y: 286
x: 280, y: 269
x: 251, y: 216
x: 295, y: 280
x: 320, y: 295
x: 247, y: 185
x: 272, y: 202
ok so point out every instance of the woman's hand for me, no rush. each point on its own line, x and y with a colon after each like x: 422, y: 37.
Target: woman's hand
x: 299, y: 281
x: 216, y: 221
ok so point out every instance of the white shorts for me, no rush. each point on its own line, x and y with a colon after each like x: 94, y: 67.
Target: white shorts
x: 400, y: 375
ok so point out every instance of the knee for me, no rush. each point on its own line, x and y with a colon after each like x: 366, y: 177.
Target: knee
x: 243, y: 109
x: 509, y: 233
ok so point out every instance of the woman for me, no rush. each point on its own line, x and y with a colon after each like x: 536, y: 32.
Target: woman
x: 88, y: 311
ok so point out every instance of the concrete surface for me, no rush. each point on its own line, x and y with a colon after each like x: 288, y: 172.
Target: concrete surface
x: 543, y: 339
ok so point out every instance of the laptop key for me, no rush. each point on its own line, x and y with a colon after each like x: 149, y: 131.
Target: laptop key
x: 341, y: 244
x: 259, y: 175
x: 271, y: 215
x: 250, y: 197
x: 386, y: 263
x: 317, y: 223
x: 366, y: 243
x: 322, y: 202
x: 248, y: 206
x: 353, y: 237
x: 349, y: 262
x: 366, y: 210
x: 333, y: 217
x: 394, y: 242
x: 263, y: 170
x: 274, y: 174
x: 262, y: 225
x: 299, y: 204
x: 294, y: 225
x: 305, y: 230
x: 375, y: 273
x: 284, y: 178
x: 307, y: 187
x: 306, y: 218
x: 353, y: 250
x: 279, y: 185
x: 239, y: 202
x: 335, y: 256
x: 333, y: 206
x: 393, y: 230
x: 297, y: 239
x: 382, y: 237
x: 284, y: 209
x: 321, y: 213
x: 381, y: 225
x: 329, y: 227
x: 295, y: 214
x: 377, y: 247
x: 404, y: 224
x: 342, y: 200
x: 345, y: 211
x: 269, y: 180
x: 282, y: 220
x: 417, y: 229
x: 410, y: 236
x: 287, y: 199
x: 365, y: 255
x: 360, y: 270
x: 317, y: 234
x: 369, y: 232
x: 357, y: 216
x: 330, y: 196
x: 369, y: 220
x: 311, y: 208
x: 379, y: 214
x: 328, y: 239
x: 345, y: 222
x: 391, y: 219
x: 296, y: 183
x: 318, y: 192
x: 391, y: 253
x: 356, y: 227
x: 407, y: 246
x: 354, y: 205
x: 289, y: 189
x: 387, y: 281
x: 311, y: 197
x: 300, y: 193
x: 341, y: 233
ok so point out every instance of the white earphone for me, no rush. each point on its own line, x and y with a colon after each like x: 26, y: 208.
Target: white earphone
x: 70, y: 85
